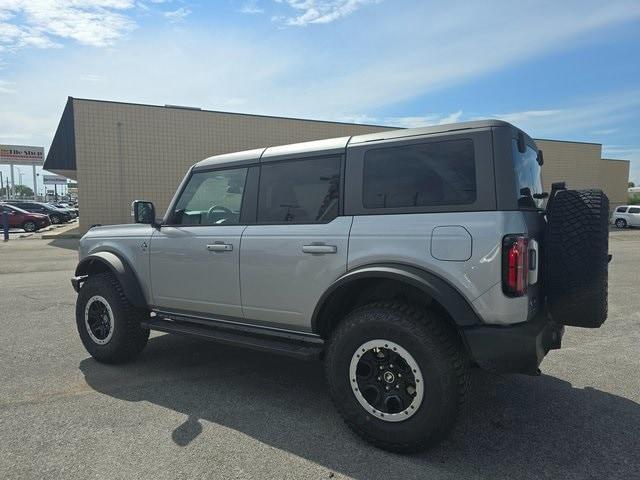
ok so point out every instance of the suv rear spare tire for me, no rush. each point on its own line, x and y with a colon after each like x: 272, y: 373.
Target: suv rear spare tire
x: 576, y: 265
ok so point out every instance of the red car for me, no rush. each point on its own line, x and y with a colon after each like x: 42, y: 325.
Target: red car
x: 18, y: 218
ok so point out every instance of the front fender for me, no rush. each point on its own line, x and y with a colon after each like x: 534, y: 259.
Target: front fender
x: 101, y: 261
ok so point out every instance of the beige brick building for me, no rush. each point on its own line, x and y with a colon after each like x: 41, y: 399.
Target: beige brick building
x: 119, y: 152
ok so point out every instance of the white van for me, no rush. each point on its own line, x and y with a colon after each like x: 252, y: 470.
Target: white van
x: 626, y: 216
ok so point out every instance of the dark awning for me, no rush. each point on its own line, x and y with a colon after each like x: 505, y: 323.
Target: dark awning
x: 61, y: 157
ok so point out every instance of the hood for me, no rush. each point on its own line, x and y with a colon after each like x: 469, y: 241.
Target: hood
x: 125, y: 230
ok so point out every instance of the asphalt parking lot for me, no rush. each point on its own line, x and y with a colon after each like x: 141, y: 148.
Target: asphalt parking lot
x: 192, y: 409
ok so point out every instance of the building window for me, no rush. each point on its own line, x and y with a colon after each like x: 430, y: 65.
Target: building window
x: 299, y: 191
x: 425, y: 174
x: 211, y: 198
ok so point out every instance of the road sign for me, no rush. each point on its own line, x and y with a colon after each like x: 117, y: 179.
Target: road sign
x: 21, y: 155
x: 53, y: 180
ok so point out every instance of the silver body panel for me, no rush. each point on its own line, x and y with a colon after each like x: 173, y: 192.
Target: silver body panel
x: 196, y: 269
x: 407, y: 239
x: 281, y: 283
x: 128, y: 242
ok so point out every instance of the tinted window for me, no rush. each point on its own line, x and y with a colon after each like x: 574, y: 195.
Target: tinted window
x: 211, y: 198
x: 621, y: 209
x: 300, y: 191
x: 528, y: 176
x: 439, y: 173
x: 634, y: 210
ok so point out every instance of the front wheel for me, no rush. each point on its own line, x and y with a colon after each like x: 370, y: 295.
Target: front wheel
x: 398, y: 375
x: 109, y: 326
x: 621, y: 223
x: 55, y: 219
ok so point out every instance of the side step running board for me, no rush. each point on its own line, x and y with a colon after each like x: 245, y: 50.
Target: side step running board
x: 305, y: 350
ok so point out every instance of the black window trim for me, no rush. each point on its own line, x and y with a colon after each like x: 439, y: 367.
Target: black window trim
x: 316, y: 156
x: 192, y: 171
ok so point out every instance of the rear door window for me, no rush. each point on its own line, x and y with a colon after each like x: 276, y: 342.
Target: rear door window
x: 634, y: 210
x: 528, y: 176
x: 423, y: 174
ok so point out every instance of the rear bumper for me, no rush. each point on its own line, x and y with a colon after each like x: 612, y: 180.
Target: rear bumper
x: 516, y: 348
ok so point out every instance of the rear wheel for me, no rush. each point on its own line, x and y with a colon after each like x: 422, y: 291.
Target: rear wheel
x: 29, y: 226
x: 621, y: 223
x: 109, y: 326
x: 55, y: 219
x: 397, y: 374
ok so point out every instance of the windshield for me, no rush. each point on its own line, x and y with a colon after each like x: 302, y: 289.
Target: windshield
x: 528, y: 176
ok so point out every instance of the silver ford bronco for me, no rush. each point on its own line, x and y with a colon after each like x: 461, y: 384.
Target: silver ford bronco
x: 400, y: 259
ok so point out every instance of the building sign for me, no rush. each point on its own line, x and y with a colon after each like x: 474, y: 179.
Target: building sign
x: 21, y: 155
x: 53, y: 180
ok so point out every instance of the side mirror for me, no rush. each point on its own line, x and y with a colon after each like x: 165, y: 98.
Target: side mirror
x: 143, y: 212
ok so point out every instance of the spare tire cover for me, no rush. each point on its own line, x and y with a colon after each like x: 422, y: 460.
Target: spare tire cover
x: 576, y: 257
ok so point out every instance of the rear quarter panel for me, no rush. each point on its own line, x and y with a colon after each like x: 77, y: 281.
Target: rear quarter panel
x: 407, y: 239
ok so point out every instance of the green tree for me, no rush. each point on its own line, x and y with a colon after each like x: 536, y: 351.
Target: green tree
x: 23, y: 191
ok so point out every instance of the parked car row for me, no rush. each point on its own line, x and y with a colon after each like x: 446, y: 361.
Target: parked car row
x: 32, y: 216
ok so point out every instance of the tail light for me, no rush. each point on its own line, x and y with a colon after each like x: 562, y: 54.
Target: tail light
x: 515, y: 265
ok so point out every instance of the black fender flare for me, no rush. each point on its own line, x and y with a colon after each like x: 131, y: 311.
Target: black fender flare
x: 120, y: 269
x: 440, y: 290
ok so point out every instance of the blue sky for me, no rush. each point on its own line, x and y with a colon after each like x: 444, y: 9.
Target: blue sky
x: 558, y: 69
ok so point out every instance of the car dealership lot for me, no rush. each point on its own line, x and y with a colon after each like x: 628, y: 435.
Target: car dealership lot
x: 192, y: 409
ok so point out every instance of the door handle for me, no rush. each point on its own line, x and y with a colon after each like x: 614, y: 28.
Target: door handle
x: 322, y: 249
x: 220, y: 247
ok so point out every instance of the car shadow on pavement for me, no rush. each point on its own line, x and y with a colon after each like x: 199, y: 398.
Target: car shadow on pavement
x: 514, y: 426
x: 66, y: 243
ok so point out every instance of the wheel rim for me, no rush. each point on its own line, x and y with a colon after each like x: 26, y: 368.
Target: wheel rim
x: 55, y: 219
x: 98, y: 319
x: 620, y: 223
x: 29, y: 227
x: 386, y: 380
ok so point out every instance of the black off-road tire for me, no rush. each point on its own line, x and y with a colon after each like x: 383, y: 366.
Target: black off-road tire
x: 129, y: 337
x: 438, y: 351
x: 576, y: 265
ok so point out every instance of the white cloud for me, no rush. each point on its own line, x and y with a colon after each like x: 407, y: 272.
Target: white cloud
x: 178, y: 15
x: 606, y: 131
x: 599, y: 113
x: 405, y: 122
x: 320, y: 11
x: 6, y: 87
x: 251, y: 7
x: 40, y: 23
